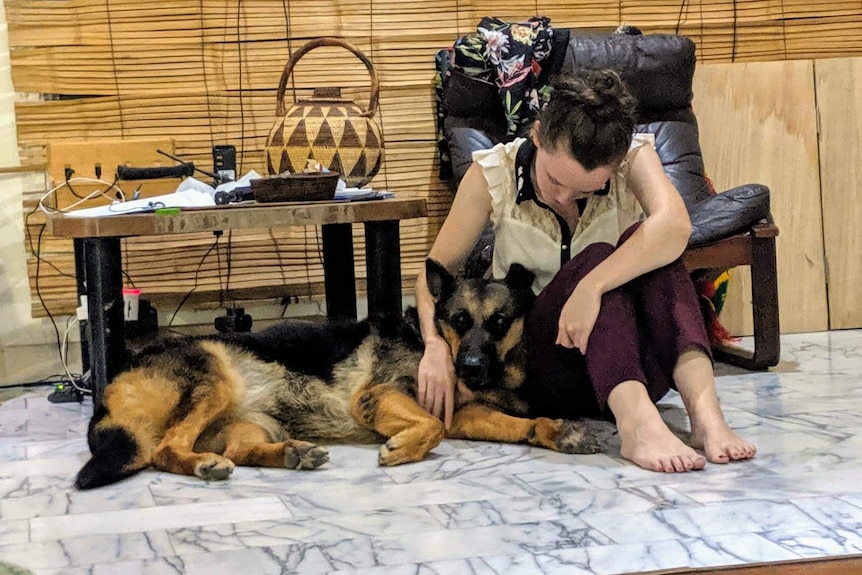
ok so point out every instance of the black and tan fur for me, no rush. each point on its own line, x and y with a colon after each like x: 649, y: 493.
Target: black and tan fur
x: 201, y: 406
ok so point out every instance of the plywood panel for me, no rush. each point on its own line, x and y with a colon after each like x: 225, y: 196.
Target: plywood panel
x: 758, y: 125
x: 839, y: 103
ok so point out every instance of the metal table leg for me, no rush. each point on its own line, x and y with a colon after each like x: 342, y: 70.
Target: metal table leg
x: 81, y: 284
x: 383, y: 261
x: 103, y: 269
x: 339, y: 272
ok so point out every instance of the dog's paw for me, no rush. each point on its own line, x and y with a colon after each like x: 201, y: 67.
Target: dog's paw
x: 392, y: 453
x: 409, y: 446
x: 213, y: 467
x: 305, y: 456
x: 574, y: 438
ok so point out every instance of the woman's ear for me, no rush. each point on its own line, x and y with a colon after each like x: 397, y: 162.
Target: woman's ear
x: 534, y: 132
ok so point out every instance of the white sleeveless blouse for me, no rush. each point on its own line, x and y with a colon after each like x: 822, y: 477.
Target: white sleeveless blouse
x: 530, y: 234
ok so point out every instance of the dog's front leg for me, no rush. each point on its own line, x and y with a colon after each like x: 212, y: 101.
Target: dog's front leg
x: 481, y: 422
x: 411, y: 430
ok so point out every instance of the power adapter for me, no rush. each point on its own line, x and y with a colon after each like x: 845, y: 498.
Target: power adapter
x: 236, y: 320
x: 65, y: 393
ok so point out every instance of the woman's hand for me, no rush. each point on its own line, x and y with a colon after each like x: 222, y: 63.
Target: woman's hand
x: 579, y: 316
x: 435, y: 392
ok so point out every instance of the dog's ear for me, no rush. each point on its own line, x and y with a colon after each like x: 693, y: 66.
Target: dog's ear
x: 440, y: 282
x: 519, y: 277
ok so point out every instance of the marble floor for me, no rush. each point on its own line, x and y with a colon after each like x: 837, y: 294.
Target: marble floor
x: 472, y: 508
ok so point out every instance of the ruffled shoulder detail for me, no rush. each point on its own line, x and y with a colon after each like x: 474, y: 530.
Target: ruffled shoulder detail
x: 498, y: 167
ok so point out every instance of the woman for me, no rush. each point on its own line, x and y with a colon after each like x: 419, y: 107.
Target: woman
x: 586, y: 205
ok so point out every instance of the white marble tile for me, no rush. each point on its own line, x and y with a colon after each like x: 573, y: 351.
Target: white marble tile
x: 84, y: 551
x: 156, y: 518
x: 710, y: 520
x: 360, y: 552
x: 12, y: 450
x: 326, y: 528
x: 298, y: 559
x: 71, y: 447
x: 13, y: 531
x: 474, y: 566
x: 313, y: 501
x: 853, y: 499
x: 50, y: 466
x: 833, y: 512
x: 13, y: 423
x: 13, y: 487
x: 532, y: 537
x: 818, y: 542
x: 72, y: 502
x: 558, y: 506
x: 641, y: 557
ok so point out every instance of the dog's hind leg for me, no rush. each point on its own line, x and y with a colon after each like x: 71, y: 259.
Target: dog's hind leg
x: 175, y: 453
x: 248, y: 444
x: 411, y: 430
x: 481, y: 422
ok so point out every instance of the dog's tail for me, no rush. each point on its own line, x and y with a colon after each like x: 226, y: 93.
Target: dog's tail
x: 116, y: 453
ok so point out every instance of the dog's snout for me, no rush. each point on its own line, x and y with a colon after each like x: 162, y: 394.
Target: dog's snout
x: 473, y: 365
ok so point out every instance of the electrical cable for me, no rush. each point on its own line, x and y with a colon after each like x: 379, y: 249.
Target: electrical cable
x: 679, y: 17
x: 60, y: 341
x: 195, y: 285
x: 241, y: 153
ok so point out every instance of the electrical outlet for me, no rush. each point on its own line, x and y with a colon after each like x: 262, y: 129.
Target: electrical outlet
x: 82, y: 312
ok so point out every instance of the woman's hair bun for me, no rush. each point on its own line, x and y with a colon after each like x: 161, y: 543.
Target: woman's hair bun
x: 600, y: 93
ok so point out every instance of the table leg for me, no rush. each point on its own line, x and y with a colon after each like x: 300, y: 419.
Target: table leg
x: 383, y: 261
x: 103, y: 268
x: 339, y: 272
x: 81, y: 284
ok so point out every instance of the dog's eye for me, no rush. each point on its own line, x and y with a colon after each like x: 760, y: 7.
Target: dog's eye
x: 497, y: 324
x: 462, y: 322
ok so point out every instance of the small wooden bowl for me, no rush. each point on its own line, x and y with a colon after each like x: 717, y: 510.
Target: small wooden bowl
x: 295, y: 187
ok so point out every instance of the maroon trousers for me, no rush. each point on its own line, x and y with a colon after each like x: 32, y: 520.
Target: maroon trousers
x: 642, y: 329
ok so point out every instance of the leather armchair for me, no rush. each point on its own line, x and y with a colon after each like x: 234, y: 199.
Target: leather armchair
x: 730, y: 229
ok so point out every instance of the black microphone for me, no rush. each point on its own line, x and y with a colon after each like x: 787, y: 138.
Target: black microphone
x: 130, y: 173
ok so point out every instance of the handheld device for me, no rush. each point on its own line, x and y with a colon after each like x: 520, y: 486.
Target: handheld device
x: 224, y: 162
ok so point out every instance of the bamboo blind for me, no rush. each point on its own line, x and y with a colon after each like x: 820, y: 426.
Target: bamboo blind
x: 206, y: 73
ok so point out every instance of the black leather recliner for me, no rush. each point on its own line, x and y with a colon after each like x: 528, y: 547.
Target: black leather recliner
x: 729, y: 229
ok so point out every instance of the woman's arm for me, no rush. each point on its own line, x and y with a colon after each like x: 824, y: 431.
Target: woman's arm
x: 661, y: 239
x: 467, y: 217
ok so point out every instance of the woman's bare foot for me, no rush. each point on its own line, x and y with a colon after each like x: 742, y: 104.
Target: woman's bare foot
x: 709, y: 431
x: 646, y: 440
x: 720, y: 443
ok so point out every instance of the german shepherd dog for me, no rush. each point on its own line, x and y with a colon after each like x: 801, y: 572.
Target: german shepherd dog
x: 200, y: 406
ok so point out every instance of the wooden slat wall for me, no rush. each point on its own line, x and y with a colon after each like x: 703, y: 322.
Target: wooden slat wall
x: 205, y: 73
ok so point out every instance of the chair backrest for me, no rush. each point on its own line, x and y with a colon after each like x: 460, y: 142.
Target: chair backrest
x: 657, y: 68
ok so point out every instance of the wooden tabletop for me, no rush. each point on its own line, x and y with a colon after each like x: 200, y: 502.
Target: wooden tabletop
x: 237, y: 216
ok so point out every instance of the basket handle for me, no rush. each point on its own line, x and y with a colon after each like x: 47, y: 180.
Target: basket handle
x: 328, y: 41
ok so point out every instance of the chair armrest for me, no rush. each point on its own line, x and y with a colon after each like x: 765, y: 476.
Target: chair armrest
x: 728, y: 252
x: 765, y: 229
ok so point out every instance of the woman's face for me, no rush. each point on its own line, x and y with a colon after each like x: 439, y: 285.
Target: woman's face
x: 560, y: 179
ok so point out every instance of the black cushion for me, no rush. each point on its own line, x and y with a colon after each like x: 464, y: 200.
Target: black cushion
x: 657, y: 68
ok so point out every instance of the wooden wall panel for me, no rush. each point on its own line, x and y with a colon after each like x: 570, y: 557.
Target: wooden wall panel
x: 839, y: 103
x: 758, y: 125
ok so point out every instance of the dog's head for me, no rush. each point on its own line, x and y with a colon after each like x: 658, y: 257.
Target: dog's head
x: 483, y: 323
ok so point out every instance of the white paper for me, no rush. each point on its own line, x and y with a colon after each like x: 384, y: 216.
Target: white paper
x: 191, y: 193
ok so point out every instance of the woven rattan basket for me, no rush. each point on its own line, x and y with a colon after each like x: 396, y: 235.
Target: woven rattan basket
x: 295, y: 187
